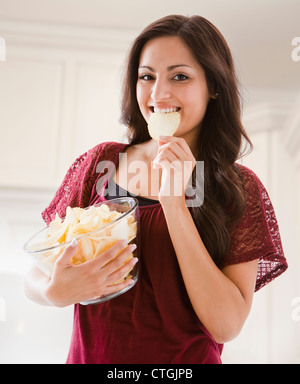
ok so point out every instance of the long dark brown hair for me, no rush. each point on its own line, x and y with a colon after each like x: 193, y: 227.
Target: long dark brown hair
x: 221, y: 134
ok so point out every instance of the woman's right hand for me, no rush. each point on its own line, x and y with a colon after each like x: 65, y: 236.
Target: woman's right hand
x: 72, y: 284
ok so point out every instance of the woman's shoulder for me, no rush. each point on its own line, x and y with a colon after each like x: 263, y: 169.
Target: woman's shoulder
x: 77, y: 186
x: 106, y: 149
x: 251, y: 181
x: 87, y: 161
x: 247, y: 173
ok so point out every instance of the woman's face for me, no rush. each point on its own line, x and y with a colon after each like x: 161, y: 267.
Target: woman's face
x: 169, y: 77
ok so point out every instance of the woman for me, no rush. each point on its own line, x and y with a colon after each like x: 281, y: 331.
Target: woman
x: 201, y: 264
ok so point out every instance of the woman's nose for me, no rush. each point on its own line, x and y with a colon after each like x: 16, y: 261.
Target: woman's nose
x: 161, y: 90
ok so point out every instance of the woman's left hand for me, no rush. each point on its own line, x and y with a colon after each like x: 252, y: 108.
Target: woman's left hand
x: 177, y: 162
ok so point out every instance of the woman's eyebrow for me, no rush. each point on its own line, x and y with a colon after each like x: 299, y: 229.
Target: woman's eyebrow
x: 170, y: 68
x: 146, y: 67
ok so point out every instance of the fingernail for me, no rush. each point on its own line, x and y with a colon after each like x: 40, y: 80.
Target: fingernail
x: 74, y: 243
x: 133, y: 246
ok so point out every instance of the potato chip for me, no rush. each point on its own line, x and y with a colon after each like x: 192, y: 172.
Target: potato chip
x: 121, y: 230
x: 163, y: 124
x: 103, y: 244
x: 86, y: 248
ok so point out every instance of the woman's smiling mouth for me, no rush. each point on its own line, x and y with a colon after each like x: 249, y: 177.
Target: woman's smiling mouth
x: 164, y: 110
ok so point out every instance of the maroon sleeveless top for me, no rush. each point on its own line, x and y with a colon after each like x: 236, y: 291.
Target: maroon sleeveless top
x: 154, y: 322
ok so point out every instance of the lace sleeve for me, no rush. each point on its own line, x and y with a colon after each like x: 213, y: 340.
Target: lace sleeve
x: 257, y: 235
x: 78, y: 188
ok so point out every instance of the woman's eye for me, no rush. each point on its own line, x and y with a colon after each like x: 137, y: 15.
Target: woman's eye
x: 180, y: 77
x: 146, y: 77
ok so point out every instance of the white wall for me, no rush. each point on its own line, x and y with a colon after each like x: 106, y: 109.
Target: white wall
x: 59, y: 96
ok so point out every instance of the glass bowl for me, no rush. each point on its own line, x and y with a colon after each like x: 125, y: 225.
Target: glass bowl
x: 117, y: 219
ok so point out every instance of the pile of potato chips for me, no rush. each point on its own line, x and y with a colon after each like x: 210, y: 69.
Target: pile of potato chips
x: 91, y: 229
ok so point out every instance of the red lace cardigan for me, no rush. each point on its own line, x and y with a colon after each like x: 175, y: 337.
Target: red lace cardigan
x: 256, y: 236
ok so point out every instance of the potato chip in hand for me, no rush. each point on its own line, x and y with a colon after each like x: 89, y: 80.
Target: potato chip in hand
x: 163, y: 124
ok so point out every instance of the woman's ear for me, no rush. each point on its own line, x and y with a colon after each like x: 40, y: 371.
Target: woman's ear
x: 215, y: 95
